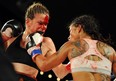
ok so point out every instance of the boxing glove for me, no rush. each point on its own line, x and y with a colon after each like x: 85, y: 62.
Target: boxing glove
x: 33, y: 44
x: 12, y: 28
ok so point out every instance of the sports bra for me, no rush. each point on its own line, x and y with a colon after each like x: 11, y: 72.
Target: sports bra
x: 80, y: 63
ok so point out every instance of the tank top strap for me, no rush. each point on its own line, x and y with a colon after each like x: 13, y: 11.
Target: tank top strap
x: 92, y: 48
x: 91, y: 43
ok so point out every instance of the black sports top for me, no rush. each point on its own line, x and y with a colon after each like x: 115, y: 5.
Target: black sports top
x: 17, y: 54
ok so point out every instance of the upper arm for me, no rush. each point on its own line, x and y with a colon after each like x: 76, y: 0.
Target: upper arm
x: 114, y: 63
x: 111, y: 55
x: 112, y: 58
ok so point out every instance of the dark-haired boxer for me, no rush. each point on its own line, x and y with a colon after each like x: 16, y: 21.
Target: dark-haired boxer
x: 91, y: 56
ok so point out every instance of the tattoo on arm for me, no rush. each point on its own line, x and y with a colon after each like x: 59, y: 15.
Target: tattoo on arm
x: 105, y: 77
x: 107, y: 52
x: 77, y: 51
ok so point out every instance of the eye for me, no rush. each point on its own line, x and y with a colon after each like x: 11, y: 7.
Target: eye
x: 40, y: 23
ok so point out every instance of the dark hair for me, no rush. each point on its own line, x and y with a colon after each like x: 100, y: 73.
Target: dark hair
x: 91, y: 27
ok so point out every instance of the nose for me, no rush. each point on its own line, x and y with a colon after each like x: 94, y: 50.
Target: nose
x: 69, y: 37
x: 44, y: 27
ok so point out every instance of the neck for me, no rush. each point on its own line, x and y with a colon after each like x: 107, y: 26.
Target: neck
x: 85, y: 36
x: 25, y: 34
x: 23, y: 41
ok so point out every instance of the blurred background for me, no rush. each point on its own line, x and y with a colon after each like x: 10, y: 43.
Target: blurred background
x: 61, y: 13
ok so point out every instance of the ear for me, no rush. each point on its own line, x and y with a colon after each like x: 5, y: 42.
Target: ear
x: 27, y: 20
x: 79, y: 28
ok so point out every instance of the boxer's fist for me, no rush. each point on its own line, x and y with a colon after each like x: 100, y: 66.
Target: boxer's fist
x: 12, y: 28
x: 34, y: 39
x: 33, y: 44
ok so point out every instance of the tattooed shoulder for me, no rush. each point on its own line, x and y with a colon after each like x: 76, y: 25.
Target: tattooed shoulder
x: 79, y: 49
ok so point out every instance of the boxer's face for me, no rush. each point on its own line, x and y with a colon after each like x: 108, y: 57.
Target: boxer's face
x: 38, y: 23
x: 74, y: 33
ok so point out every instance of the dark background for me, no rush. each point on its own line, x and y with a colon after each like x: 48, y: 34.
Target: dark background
x: 62, y: 12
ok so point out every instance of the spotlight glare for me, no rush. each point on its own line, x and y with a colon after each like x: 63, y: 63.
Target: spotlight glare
x: 41, y: 73
x: 49, y: 76
x: 58, y: 79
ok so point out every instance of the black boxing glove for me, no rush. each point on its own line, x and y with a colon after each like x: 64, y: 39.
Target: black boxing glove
x: 33, y: 44
x: 12, y: 28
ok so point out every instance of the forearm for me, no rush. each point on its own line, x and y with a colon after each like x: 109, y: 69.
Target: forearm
x: 47, y: 63
x: 61, y: 71
x: 40, y: 62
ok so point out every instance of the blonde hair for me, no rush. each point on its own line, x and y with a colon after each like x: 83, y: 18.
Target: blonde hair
x: 36, y: 8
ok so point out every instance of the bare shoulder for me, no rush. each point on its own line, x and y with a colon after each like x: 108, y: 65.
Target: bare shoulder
x: 106, y: 49
x: 47, y: 40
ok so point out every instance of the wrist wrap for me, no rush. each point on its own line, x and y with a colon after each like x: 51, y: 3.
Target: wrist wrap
x: 36, y: 51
